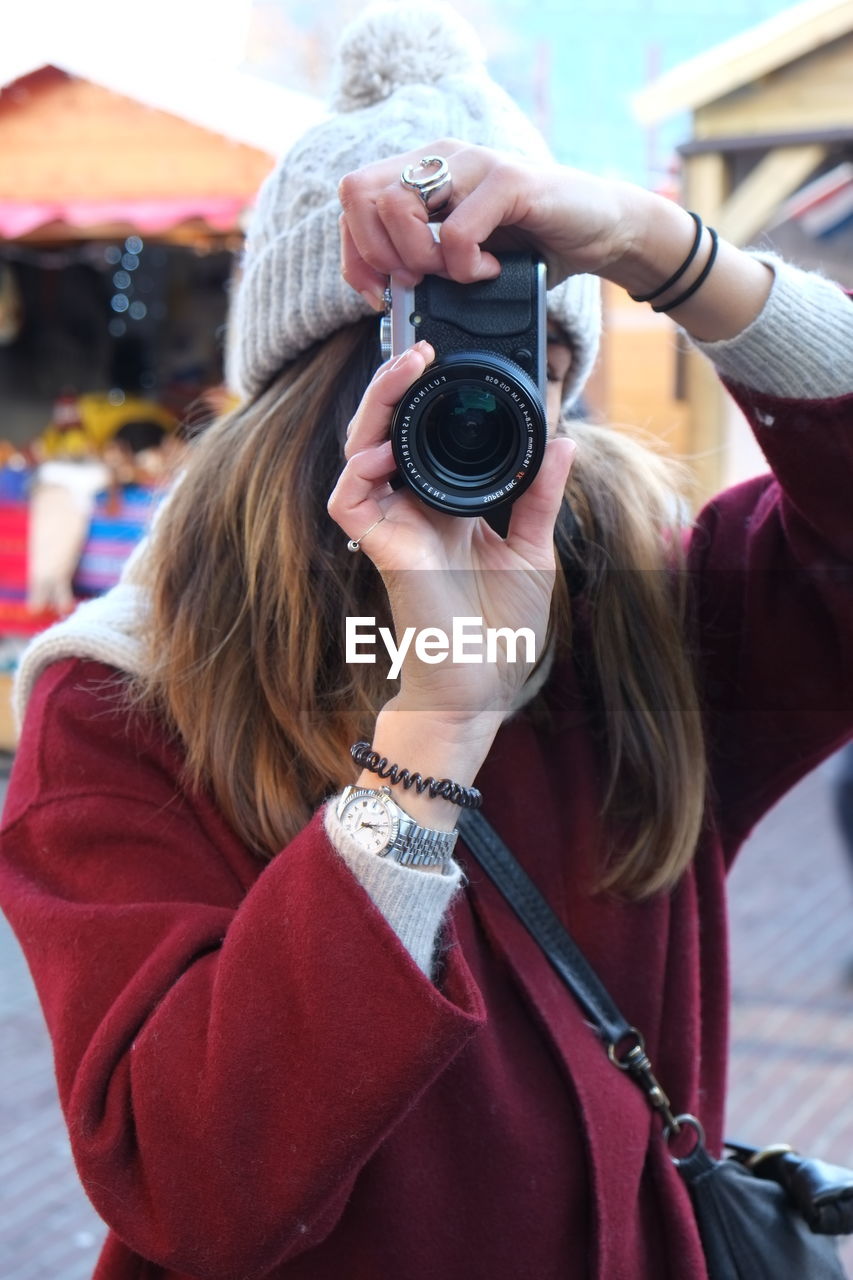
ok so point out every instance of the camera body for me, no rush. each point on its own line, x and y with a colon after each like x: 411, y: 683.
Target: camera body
x: 469, y: 435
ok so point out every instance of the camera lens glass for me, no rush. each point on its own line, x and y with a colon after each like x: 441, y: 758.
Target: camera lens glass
x: 467, y: 436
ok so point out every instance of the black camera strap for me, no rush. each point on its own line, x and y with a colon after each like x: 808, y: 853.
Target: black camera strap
x: 624, y: 1044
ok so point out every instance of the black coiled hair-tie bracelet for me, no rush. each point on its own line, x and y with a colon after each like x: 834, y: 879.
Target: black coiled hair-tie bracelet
x: 466, y: 797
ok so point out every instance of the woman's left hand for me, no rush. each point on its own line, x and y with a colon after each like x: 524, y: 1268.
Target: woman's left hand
x: 438, y: 567
x: 578, y: 222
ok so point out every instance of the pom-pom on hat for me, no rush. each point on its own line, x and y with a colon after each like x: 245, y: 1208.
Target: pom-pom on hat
x: 404, y: 73
x: 392, y: 45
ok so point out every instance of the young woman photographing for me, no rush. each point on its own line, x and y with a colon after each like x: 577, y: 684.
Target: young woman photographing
x: 283, y: 1050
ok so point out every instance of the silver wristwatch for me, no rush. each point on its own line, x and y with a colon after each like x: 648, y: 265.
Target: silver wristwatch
x: 376, y: 823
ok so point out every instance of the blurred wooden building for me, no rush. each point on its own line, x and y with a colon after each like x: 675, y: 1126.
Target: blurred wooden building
x: 87, y: 153
x: 78, y: 161
x: 771, y: 111
x: 123, y: 200
x: 120, y: 214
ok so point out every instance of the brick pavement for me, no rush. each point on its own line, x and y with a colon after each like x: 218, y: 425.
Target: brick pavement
x: 48, y: 1230
x: 791, y: 1063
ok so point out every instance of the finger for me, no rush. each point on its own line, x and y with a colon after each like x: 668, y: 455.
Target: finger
x: 372, y: 420
x: 491, y: 204
x: 364, y: 473
x: 358, y: 273
x: 372, y: 207
x: 369, y: 242
x: 354, y: 502
x: 535, y: 513
x: 407, y: 225
x: 405, y: 220
x: 387, y: 221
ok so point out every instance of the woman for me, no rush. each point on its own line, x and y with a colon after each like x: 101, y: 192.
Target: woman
x: 279, y: 1054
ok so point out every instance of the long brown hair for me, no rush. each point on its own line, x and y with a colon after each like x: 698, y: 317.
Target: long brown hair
x: 251, y: 584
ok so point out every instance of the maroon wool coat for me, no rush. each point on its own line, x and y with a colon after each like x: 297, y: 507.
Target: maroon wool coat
x: 258, y: 1081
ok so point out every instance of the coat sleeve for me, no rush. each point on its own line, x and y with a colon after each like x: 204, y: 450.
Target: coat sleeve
x: 230, y: 1047
x: 771, y: 564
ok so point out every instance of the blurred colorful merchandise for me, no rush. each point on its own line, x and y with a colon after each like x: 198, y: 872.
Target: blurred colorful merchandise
x: 86, y: 423
x: 15, y: 618
x: 118, y: 522
x: 72, y: 512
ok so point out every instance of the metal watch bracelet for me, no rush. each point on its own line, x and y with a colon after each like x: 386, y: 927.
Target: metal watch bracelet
x: 374, y: 820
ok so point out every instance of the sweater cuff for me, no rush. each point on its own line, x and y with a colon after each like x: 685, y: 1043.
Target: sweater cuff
x: 799, y: 346
x: 413, y: 902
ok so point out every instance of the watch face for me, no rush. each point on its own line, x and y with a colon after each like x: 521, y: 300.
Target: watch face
x: 370, y: 821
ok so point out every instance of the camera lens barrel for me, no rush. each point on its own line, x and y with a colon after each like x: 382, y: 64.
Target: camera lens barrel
x: 469, y: 435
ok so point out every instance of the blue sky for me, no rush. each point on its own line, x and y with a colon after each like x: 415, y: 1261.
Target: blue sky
x: 572, y: 64
x: 600, y: 53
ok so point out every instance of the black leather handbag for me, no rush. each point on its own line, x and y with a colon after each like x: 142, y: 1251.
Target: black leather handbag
x: 762, y: 1215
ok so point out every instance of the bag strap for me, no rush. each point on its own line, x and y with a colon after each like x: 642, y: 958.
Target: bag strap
x: 822, y: 1193
x: 537, y: 916
x: 566, y: 957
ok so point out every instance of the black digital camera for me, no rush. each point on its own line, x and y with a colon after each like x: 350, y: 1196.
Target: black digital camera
x: 469, y: 435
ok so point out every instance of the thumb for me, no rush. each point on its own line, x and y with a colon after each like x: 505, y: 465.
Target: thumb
x: 535, y: 513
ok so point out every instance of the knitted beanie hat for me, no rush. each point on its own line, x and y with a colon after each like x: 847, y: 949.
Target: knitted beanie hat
x: 405, y: 73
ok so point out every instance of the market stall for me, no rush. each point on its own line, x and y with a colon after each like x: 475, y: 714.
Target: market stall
x: 120, y: 222
x: 768, y: 162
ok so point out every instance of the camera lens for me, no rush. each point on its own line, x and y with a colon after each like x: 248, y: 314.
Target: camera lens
x: 470, y: 434
x: 467, y: 435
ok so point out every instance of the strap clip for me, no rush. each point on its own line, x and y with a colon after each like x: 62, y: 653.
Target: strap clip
x: 636, y: 1062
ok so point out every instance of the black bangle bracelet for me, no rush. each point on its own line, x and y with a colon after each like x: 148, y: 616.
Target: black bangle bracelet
x: 466, y: 797
x: 676, y: 276
x: 700, y: 279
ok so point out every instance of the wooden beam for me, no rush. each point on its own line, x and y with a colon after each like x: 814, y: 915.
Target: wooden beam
x: 810, y: 93
x: 745, y: 59
x: 752, y: 205
x: 734, y: 143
